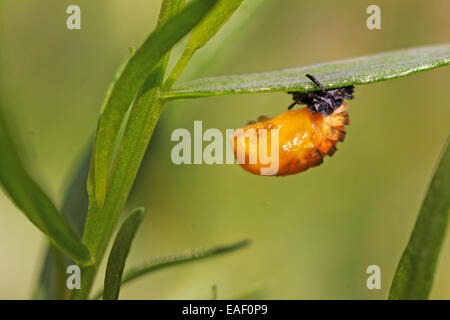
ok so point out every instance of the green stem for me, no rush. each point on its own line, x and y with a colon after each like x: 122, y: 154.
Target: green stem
x: 178, y: 69
x: 144, y: 109
x: 87, y: 280
x: 168, y: 9
x: 88, y: 273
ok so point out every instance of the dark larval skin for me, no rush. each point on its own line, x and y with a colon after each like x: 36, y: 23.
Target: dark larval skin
x: 323, y: 101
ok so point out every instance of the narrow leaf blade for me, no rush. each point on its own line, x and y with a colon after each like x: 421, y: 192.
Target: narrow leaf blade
x: 201, y: 34
x: 131, y: 79
x: 362, y: 70
x: 212, y: 23
x: 105, y: 208
x: 142, y: 120
x: 177, y: 259
x: 119, y: 254
x: 51, y: 285
x: 415, y: 272
x: 34, y: 203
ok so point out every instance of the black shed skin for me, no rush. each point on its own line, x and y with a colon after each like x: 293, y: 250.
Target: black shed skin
x: 324, y: 101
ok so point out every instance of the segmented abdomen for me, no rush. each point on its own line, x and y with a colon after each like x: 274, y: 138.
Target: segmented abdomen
x: 304, y: 139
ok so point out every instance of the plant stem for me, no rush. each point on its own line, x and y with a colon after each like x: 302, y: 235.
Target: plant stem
x: 178, y: 69
x: 87, y: 280
x: 145, y: 108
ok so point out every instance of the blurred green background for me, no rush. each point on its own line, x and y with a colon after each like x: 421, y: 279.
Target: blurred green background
x: 314, y: 234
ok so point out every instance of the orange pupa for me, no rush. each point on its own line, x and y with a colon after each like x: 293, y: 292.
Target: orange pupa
x: 305, y: 136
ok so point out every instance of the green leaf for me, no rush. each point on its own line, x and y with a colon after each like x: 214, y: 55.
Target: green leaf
x: 75, y: 206
x: 104, y: 210
x: 169, y: 8
x: 100, y: 225
x: 144, y: 114
x: 34, y: 203
x: 202, y: 33
x: 362, y: 70
x: 177, y: 259
x: 212, y: 23
x: 52, y: 279
x: 159, y: 42
x: 119, y: 254
x: 230, y: 36
x: 415, y: 272
x: 143, y: 117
